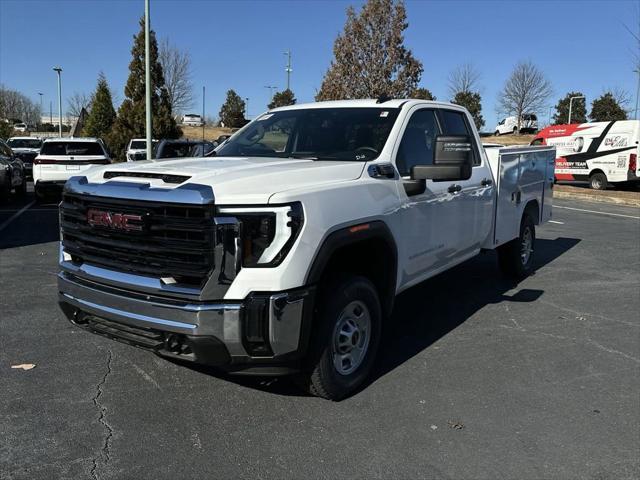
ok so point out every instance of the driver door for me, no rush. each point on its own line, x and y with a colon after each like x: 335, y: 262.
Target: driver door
x: 430, y: 214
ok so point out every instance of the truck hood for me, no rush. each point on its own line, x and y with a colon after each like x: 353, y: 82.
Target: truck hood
x: 235, y: 180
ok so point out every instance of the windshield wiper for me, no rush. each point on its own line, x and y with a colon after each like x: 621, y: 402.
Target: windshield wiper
x: 302, y: 157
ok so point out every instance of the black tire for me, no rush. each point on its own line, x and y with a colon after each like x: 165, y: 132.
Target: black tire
x: 21, y: 190
x: 40, y: 196
x: 341, y: 297
x: 511, y: 256
x: 598, y: 181
x: 496, y: 133
x: 5, y: 191
x: 515, y: 130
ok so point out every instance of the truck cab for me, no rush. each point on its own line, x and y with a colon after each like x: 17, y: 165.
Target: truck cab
x: 284, y: 251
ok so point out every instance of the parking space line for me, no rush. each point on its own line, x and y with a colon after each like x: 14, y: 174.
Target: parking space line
x: 595, y: 211
x: 16, y: 215
x: 555, y: 221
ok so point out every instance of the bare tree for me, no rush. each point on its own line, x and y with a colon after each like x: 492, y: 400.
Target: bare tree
x: 76, y: 102
x: 622, y: 96
x: 176, y: 67
x: 463, y: 78
x: 15, y: 106
x: 526, y: 91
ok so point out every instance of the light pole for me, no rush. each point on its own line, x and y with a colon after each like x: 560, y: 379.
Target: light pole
x: 59, y: 71
x: 637, y: 70
x: 571, y: 105
x: 246, y: 107
x: 288, y: 68
x: 203, y: 121
x: 147, y: 77
x: 271, y: 89
x: 40, y: 119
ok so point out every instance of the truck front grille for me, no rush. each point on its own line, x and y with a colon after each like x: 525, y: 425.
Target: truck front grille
x: 162, y: 240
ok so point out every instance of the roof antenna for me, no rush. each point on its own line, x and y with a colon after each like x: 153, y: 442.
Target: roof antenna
x: 383, y: 98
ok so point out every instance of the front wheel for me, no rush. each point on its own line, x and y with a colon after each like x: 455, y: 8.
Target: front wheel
x: 516, y: 257
x: 345, y: 339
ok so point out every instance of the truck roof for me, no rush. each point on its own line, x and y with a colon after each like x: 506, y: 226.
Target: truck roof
x: 72, y: 139
x: 365, y: 103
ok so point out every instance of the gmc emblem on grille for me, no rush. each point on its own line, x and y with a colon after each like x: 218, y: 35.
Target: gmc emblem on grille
x: 115, y: 221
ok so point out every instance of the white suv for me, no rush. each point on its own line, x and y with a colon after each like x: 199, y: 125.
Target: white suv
x: 61, y: 158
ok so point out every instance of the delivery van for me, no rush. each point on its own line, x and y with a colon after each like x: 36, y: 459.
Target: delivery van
x: 601, y: 153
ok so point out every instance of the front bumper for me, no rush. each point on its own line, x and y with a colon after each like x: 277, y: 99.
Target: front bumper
x: 267, y: 333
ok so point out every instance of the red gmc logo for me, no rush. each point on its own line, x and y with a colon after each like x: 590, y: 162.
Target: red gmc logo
x: 115, y: 221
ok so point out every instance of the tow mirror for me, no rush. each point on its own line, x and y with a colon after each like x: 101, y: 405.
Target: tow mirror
x: 452, y: 160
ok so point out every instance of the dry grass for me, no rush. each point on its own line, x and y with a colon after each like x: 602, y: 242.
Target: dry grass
x: 210, y: 133
x: 509, y: 139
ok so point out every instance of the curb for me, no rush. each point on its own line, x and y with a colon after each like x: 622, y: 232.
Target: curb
x: 598, y: 198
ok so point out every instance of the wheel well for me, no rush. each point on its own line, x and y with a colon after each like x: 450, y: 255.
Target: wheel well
x: 373, y: 258
x: 596, y: 170
x: 533, y: 209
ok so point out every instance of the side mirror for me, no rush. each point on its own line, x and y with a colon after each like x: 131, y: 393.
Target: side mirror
x: 452, y: 160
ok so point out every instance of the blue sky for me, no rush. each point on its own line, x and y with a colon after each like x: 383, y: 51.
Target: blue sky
x: 580, y: 45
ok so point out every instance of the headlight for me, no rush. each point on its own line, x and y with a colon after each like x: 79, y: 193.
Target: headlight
x: 266, y: 233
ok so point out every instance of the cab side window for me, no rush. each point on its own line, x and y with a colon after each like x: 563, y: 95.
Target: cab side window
x: 455, y: 123
x: 418, y: 141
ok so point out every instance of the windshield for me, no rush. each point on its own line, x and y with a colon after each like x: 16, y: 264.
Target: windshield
x: 25, y: 143
x: 71, y: 148
x: 353, y: 134
x: 138, y: 145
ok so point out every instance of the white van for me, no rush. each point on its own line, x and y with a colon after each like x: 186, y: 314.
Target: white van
x: 528, y: 124
x: 62, y: 158
x: 599, y: 152
x: 192, y: 120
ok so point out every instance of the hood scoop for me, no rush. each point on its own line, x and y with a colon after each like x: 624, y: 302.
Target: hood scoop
x: 166, y: 178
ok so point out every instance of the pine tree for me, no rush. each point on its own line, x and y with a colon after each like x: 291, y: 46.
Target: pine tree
x: 607, y: 109
x: 370, y: 59
x: 282, y: 99
x: 472, y: 101
x: 102, y: 114
x: 423, y: 94
x: 131, y: 114
x: 232, y: 111
x: 578, y: 109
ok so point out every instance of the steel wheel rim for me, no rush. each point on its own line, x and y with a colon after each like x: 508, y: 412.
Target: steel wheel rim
x: 351, y: 337
x: 526, y: 248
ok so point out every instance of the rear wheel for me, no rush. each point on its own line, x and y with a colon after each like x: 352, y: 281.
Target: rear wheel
x: 496, y: 133
x: 598, y: 181
x: 516, y: 257
x: 345, y: 339
x: 40, y: 195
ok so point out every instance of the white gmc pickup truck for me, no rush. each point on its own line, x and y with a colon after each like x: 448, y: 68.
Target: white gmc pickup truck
x: 283, y: 253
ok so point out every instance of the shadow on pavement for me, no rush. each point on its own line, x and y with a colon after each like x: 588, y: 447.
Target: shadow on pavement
x: 38, y: 224
x: 429, y: 311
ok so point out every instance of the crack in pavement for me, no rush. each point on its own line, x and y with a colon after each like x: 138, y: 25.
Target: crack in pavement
x: 104, y: 452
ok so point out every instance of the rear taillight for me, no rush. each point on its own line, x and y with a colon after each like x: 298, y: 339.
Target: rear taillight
x: 633, y: 161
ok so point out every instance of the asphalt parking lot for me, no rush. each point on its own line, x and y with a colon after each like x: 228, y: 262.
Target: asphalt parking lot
x: 477, y: 378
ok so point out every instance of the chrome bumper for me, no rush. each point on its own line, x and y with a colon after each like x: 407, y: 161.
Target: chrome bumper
x: 263, y: 330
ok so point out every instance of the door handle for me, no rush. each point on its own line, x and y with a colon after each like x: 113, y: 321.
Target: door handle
x: 454, y: 188
x: 486, y: 182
